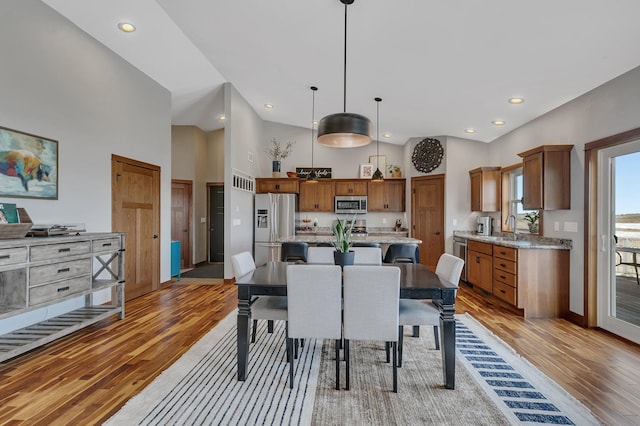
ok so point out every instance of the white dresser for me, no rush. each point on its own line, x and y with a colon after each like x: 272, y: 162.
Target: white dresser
x: 39, y: 271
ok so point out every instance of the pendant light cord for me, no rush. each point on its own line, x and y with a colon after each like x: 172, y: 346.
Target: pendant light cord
x: 344, y: 104
x: 313, y: 116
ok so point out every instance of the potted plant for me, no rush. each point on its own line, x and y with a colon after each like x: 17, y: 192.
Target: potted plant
x: 342, y: 231
x: 277, y: 154
x: 532, y: 219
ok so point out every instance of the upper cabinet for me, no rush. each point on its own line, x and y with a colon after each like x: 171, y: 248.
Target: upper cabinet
x: 316, y: 197
x: 351, y: 187
x: 284, y: 185
x: 386, y: 196
x: 546, y: 177
x: 485, y: 189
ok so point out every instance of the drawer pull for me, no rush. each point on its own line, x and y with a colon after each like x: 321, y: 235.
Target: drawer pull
x: 503, y: 265
x: 106, y: 245
x: 503, y: 292
x: 5, y: 256
x: 503, y: 277
x: 61, y: 289
x: 63, y: 270
x: 64, y: 250
x: 503, y: 252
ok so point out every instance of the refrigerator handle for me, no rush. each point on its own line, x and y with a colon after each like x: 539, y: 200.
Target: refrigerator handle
x: 274, y: 216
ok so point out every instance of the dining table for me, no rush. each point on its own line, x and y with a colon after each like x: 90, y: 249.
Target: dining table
x: 416, y: 282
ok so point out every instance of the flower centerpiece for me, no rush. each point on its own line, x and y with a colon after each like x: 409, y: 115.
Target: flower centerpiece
x: 277, y: 153
x: 342, y: 231
x: 532, y: 219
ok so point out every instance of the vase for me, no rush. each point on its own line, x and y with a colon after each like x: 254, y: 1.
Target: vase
x: 343, y: 259
x: 275, y: 170
x: 533, y: 228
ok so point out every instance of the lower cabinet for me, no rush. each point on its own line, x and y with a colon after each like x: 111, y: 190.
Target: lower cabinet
x: 480, y: 265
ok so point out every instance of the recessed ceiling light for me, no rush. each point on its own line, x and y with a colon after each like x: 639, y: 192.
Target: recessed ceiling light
x: 268, y: 106
x: 221, y: 117
x: 469, y: 130
x: 314, y: 122
x: 387, y: 135
x: 126, y: 27
x: 516, y: 101
x: 498, y: 123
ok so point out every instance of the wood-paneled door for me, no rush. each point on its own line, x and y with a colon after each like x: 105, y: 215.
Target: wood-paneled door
x: 215, y: 241
x: 181, y: 221
x: 427, y: 217
x: 135, y: 209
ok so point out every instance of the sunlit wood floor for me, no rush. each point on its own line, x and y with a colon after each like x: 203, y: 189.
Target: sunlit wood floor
x: 87, y: 376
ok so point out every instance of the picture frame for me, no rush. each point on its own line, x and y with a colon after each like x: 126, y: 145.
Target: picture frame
x: 379, y: 161
x: 366, y: 171
x: 28, y: 165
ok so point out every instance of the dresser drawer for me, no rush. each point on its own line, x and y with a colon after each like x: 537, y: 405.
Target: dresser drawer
x: 13, y: 255
x: 106, y: 245
x: 56, y: 251
x: 504, y: 277
x: 58, y: 271
x: 505, y: 253
x: 480, y: 247
x: 505, y: 265
x: 504, y: 292
x: 49, y: 292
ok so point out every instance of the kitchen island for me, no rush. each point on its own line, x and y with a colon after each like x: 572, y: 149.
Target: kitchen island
x: 315, y: 238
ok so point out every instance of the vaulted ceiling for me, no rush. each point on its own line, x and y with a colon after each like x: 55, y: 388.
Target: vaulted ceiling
x: 440, y: 66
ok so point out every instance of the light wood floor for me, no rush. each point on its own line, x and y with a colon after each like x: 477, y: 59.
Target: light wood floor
x: 87, y: 376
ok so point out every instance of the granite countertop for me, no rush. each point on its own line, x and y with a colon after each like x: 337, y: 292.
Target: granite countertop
x: 522, y: 242
x: 320, y: 238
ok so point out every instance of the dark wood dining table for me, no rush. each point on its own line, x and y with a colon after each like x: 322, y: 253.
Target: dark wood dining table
x: 416, y: 282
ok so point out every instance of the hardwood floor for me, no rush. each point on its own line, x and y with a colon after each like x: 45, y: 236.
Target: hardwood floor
x: 87, y: 376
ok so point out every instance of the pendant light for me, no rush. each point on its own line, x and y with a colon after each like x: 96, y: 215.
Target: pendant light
x: 345, y: 129
x: 377, y: 175
x: 312, y: 177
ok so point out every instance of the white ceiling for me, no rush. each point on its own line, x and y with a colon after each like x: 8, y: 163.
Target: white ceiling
x: 439, y: 66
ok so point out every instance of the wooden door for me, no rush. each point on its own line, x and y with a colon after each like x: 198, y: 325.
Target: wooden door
x: 135, y: 209
x: 427, y: 217
x: 216, y: 222
x: 181, y: 221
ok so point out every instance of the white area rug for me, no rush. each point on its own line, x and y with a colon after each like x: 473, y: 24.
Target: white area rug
x: 201, y: 387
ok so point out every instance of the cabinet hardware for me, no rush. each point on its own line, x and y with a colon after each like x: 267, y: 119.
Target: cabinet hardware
x: 503, y: 265
x: 63, y: 289
x: 63, y: 270
x: 64, y: 250
x: 106, y: 245
x: 5, y: 256
x: 502, y: 291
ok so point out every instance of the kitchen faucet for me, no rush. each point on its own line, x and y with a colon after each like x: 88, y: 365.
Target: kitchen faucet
x: 515, y: 226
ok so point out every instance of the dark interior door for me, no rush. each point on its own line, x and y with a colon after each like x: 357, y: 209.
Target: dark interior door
x: 216, y: 223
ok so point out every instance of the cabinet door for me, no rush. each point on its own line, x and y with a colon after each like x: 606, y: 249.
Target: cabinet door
x: 386, y: 196
x: 480, y: 270
x: 375, y: 197
x: 353, y: 187
x: 276, y: 185
x: 476, y: 190
x: 316, y: 197
x: 532, y: 181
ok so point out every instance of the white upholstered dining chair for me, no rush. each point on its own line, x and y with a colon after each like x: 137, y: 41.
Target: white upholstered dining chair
x: 270, y: 308
x: 320, y: 255
x: 416, y: 312
x: 371, y: 300
x: 367, y: 255
x: 314, y: 308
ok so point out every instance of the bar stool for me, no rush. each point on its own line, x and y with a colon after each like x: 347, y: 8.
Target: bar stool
x: 292, y: 252
x: 402, y: 253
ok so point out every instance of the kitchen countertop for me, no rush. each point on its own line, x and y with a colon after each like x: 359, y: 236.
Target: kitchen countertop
x: 390, y: 238
x: 522, y: 241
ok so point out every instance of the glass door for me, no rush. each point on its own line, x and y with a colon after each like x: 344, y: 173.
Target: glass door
x: 619, y: 245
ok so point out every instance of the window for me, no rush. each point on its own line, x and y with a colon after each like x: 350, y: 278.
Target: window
x: 512, y: 203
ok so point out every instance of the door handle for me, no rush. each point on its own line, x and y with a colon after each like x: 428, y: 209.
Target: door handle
x: 185, y: 230
x: 436, y: 233
x: 155, y: 236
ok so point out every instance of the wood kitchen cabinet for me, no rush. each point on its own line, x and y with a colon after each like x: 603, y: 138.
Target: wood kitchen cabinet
x: 277, y: 185
x: 386, y: 196
x: 480, y: 265
x: 546, y: 177
x: 485, y: 189
x: 519, y: 280
x: 351, y: 187
x: 317, y: 197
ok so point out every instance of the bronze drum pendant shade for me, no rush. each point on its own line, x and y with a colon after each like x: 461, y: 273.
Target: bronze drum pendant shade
x: 345, y: 129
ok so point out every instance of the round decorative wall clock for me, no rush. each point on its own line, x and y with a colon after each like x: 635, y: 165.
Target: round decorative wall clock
x: 427, y: 155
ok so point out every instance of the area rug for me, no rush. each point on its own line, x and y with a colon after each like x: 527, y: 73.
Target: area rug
x: 494, y: 386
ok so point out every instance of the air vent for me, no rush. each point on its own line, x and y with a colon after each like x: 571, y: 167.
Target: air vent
x: 243, y: 181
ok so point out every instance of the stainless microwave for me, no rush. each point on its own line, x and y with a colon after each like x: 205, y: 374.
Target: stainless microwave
x: 351, y: 204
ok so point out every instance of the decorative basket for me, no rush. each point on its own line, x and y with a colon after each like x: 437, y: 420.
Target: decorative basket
x: 16, y: 230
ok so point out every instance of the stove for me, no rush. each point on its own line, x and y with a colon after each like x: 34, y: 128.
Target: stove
x: 359, y: 228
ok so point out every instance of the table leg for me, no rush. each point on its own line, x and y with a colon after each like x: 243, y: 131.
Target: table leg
x: 243, y: 326
x: 448, y: 344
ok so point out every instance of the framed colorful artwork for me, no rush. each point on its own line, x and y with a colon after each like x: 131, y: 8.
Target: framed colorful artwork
x: 28, y: 165
x: 366, y: 171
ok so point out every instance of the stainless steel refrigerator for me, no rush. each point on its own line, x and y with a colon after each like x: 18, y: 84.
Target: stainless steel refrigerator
x: 275, y: 218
